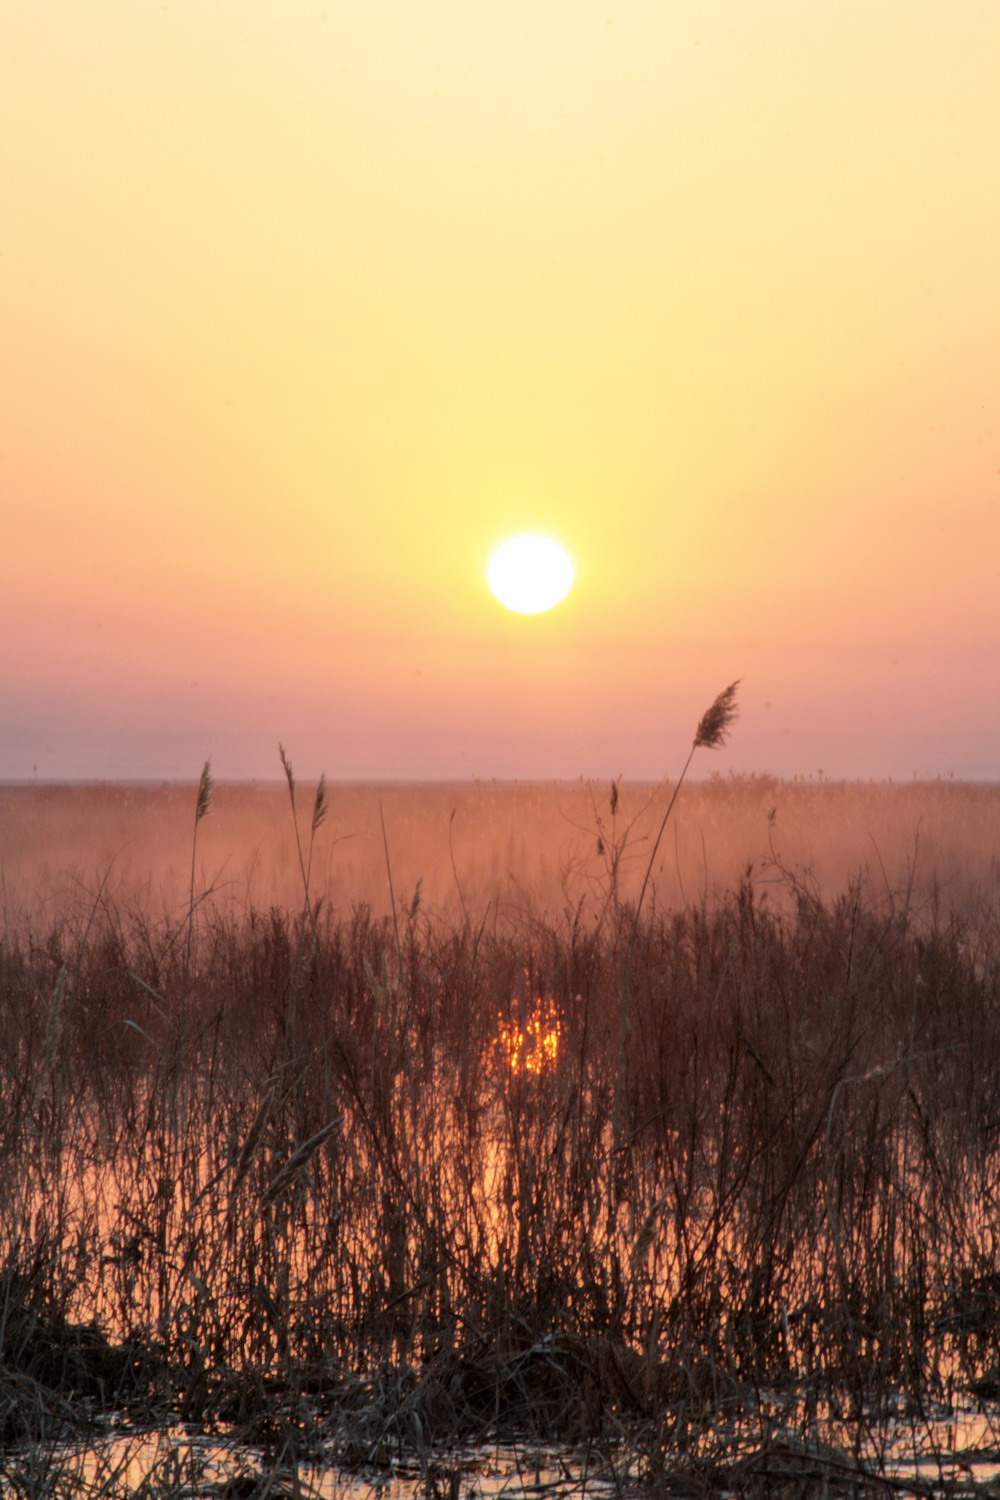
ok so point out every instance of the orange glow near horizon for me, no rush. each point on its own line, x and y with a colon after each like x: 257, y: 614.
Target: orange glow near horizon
x: 306, y: 307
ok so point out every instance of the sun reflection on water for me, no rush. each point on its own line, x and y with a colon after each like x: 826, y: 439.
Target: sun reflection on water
x: 531, y: 1044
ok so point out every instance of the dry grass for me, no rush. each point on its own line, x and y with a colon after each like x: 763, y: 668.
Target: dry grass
x: 275, y: 1167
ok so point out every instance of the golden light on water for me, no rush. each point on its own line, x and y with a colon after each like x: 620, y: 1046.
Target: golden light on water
x: 532, y: 1047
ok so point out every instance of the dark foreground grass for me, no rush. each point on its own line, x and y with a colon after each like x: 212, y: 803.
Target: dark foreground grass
x: 367, y: 1187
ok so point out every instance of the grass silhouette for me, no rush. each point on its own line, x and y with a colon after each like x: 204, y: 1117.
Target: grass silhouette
x: 281, y: 1168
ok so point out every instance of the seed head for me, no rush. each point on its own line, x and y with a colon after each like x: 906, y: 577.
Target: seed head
x: 716, y: 721
x: 319, y: 806
x: 289, y: 775
x: 206, y: 786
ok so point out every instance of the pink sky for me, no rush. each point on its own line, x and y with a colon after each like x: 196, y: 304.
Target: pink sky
x: 305, y: 310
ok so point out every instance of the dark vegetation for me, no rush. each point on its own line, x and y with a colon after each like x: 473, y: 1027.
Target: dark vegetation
x: 695, y: 1189
x: 368, y: 1185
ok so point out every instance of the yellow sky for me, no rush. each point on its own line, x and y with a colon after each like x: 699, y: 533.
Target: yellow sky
x: 307, y: 305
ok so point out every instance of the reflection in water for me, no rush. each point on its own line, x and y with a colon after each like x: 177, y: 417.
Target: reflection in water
x: 532, y: 1045
x: 178, y: 1462
x: 947, y: 1451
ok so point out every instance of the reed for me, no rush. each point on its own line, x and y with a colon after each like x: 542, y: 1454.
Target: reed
x: 335, y: 1205
x: 713, y: 726
x: 318, y: 818
x: 202, y: 808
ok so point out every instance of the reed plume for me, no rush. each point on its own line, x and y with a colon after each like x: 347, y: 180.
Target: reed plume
x: 202, y: 808
x: 319, y: 813
x: 716, y: 721
x: 206, y: 787
x: 319, y: 806
x: 713, y: 726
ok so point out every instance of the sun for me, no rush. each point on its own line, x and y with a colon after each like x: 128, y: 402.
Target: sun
x: 530, y: 573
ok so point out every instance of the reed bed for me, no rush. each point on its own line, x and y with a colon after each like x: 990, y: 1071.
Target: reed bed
x: 365, y: 1185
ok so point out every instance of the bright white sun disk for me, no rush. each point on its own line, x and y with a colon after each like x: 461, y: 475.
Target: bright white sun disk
x: 530, y: 573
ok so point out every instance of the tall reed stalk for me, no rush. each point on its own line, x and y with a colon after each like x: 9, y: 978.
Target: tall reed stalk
x: 713, y: 726
x: 202, y: 807
x: 319, y: 813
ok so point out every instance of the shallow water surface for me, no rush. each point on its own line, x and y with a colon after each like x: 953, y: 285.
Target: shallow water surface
x: 951, y: 1452
x: 178, y: 1462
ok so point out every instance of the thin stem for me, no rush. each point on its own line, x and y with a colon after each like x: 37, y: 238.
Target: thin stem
x: 206, y: 786
x: 656, y: 845
x: 392, y: 893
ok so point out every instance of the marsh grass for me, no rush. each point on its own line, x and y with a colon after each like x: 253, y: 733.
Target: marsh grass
x: 275, y: 1170
x: 202, y: 808
x: 713, y: 726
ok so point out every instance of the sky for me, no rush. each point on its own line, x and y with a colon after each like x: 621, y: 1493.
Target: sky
x: 306, y: 306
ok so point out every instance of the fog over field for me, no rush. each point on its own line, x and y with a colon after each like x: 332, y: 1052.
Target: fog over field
x: 499, y: 848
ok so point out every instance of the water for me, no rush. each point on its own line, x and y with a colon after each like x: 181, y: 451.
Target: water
x: 180, y: 1462
x: 950, y: 1451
